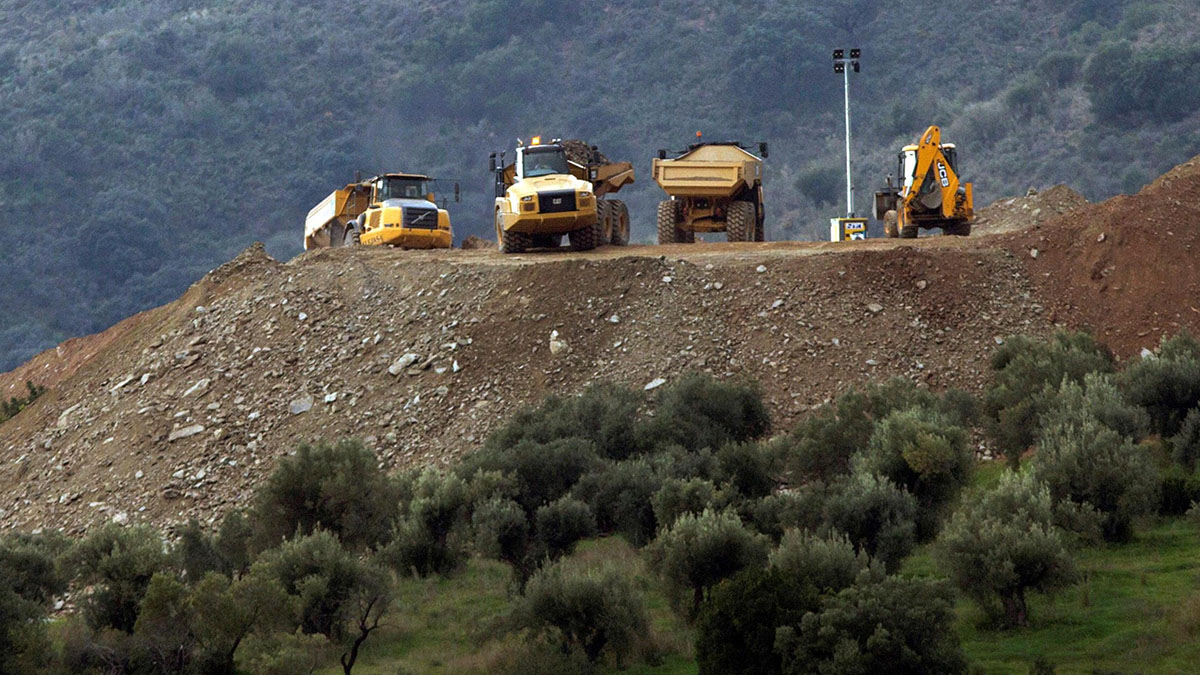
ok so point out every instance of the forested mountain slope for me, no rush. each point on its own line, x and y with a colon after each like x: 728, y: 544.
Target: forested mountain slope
x: 145, y: 143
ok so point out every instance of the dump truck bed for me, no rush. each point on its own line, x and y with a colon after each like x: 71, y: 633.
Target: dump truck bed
x: 708, y: 171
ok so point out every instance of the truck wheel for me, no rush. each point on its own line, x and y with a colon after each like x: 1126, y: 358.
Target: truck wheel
x: 509, y: 241
x: 604, y: 214
x: 890, y: 229
x: 620, y: 229
x: 351, y: 237
x: 586, y: 238
x: 740, y: 222
x: 670, y: 212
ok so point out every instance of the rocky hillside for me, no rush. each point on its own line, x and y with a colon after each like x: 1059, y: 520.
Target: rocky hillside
x: 180, y: 411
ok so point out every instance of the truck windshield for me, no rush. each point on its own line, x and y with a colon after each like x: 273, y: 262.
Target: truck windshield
x: 403, y: 188
x: 543, y: 162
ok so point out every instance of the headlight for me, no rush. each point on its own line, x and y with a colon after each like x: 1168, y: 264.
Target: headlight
x: 527, y: 198
x: 585, y: 194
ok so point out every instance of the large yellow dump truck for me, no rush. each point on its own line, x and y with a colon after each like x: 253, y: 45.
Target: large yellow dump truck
x: 928, y: 192
x: 394, y: 209
x: 713, y: 187
x: 559, y: 188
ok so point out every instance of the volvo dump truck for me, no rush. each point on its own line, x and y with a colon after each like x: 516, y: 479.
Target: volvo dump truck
x: 928, y: 192
x: 713, y: 187
x: 557, y: 189
x: 392, y: 209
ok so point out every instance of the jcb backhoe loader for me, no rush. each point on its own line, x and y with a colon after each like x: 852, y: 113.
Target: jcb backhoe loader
x: 929, y: 193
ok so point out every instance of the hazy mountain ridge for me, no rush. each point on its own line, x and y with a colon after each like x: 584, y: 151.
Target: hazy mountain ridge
x: 150, y: 142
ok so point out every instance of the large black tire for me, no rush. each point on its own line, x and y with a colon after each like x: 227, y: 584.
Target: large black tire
x: 740, y: 222
x: 890, y: 228
x: 509, y: 241
x: 351, y: 237
x: 620, y: 229
x: 961, y: 229
x: 604, y: 213
x: 670, y: 214
x: 587, y: 238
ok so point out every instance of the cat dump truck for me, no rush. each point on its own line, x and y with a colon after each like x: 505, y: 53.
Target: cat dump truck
x: 928, y: 192
x: 393, y: 209
x: 714, y: 187
x: 557, y: 189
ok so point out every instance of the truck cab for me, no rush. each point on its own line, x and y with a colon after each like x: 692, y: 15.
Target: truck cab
x: 402, y: 212
x: 539, y: 194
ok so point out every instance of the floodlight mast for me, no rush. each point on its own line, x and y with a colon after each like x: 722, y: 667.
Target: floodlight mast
x: 843, y: 65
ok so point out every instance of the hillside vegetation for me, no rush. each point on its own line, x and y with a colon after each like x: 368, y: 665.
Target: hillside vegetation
x: 148, y: 142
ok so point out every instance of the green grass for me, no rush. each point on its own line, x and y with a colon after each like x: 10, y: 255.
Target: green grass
x: 457, y: 625
x: 1137, y: 611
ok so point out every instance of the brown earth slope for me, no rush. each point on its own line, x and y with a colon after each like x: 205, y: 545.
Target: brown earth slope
x: 181, y: 411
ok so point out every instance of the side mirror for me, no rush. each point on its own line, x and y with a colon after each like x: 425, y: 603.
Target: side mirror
x: 430, y: 198
x: 492, y: 162
x: 457, y: 193
x: 762, y: 150
x: 662, y: 154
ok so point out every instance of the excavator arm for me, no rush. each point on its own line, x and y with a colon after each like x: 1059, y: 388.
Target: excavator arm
x: 936, y: 191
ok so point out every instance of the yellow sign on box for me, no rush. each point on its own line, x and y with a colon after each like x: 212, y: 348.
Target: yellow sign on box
x: 847, y: 229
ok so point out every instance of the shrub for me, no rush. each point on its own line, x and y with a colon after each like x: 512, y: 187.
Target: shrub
x: 604, y: 414
x: 118, y: 564
x: 15, y: 404
x: 1015, y: 400
x: 677, y: 497
x: 590, y: 611
x: 502, y: 533
x: 325, y: 578
x: 228, y: 552
x: 29, y: 581
x: 1185, y: 446
x: 875, y: 515
x: 1097, y: 396
x: 562, y: 524
x: 1089, y: 464
x: 1180, y: 487
x: 1005, y: 544
x: 802, y: 508
x: 430, y: 537
x: 898, y: 626
x: 542, y: 472
x: 921, y: 453
x: 700, y: 412
x: 828, y: 564
x: 339, y: 488
x: 696, y: 552
x: 621, y: 497
x: 747, y: 469
x: 735, y: 633
x: 1167, y: 384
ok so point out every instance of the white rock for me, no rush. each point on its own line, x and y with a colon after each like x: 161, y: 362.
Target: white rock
x: 302, y: 316
x: 139, y: 474
x: 761, y: 269
x: 121, y: 385
x: 614, y: 319
x: 198, y: 388
x: 718, y: 285
x: 121, y: 518
x: 454, y: 367
x: 301, y: 405
x: 330, y: 398
x: 403, y: 363
x: 875, y: 307
x: 179, y: 474
x: 1147, y: 354
x: 201, y: 309
x: 668, y: 279
x: 777, y: 304
x: 185, y: 432
x: 1033, y: 253
x: 65, y: 418
x: 654, y: 384
x: 922, y: 284
x: 145, y: 378
x: 557, y: 344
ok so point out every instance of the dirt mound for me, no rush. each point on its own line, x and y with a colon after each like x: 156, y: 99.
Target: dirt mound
x: 1127, y: 267
x: 581, y: 152
x: 1018, y: 213
x: 473, y: 243
x: 420, y: 354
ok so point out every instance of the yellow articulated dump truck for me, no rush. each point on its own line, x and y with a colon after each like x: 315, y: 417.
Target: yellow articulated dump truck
x: 713, y: 187
x: 928, y: 192
x: 392, y: 209
x: 557, y: 189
